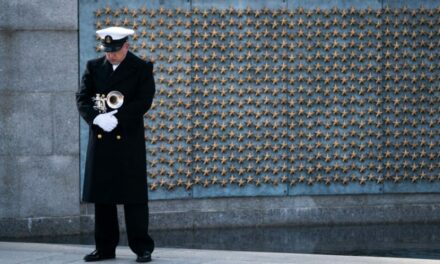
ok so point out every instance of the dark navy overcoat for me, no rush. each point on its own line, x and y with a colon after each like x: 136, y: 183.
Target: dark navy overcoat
x: 115, y: 170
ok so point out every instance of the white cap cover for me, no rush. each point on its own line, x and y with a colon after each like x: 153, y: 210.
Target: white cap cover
x: 115, y: 32
x: 113, y: 38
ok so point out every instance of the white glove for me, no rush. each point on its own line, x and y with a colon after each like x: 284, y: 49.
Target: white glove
x: 106, y: 121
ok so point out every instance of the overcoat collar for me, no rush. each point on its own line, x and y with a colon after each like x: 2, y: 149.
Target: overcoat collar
x: 124, y: 69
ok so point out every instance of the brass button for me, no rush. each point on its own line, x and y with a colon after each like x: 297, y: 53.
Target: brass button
x: 118, y: 137
x: 99, y: 136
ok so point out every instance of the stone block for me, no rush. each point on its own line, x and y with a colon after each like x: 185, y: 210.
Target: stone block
x: 294, y: 211
x: 8, y: 190
x: 6, y: 45
x: 171, y: 220
x: 66, y: 122
x: 87, y: 224
x: 47, y: 226
x: 39, y: 186
x: 42, y: 226
x: 327, y: 4
x: 39, y: 14
x: 40, y: 61
x: 13, y: 227
x: 87, y: 209
x: 26, y: 124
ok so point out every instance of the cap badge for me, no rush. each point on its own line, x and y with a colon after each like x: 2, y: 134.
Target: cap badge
x: 108, y: 39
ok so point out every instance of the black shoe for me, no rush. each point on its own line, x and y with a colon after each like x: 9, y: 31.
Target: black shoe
x: 146, y: 257
x: 98, y: 255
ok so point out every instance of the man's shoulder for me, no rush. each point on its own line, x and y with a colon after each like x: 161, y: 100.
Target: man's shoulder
x: 97, y: 61
x: 135, y: 60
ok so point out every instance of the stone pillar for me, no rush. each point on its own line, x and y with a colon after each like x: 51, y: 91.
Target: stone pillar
x: 39, y: 182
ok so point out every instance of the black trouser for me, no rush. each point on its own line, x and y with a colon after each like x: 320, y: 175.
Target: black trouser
x: 136, y: 222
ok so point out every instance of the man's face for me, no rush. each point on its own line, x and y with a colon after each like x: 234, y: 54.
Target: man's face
x: 116, y: 57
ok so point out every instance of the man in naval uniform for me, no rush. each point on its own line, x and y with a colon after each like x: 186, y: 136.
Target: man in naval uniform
x: 115, y: 171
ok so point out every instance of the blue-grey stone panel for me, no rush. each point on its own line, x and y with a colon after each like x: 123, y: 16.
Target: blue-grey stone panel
x: 150, y: 4
x: 88, y: 19
x: 38, y: 14
x: 26, y: 124
x: 160, y: 164
x: 239, y: 4
x: 39, y: 186
x: 416, y: 186
x: 38, y: 61
x: 328, y: 4
x: 336, y: 188
x: 298, y: 203
x: 411, y: 3
x: 307, y: 102
x: 164, y: 193
x: 65, y: 128
x: 249, y: 189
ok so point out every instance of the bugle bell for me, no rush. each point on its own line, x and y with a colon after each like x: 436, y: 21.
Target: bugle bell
x: 114, y: 100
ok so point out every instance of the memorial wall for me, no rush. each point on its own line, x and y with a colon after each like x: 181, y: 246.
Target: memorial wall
x: 273, y: 98
x: 267, y: 113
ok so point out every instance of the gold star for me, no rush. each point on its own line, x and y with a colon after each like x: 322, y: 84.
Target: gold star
x: 188, y: 185
x: 171, y: 185
x: 232, y: 179
x: 266, y: 179
x: 153, y: 186
x: 206, y: 183
x: 241, y: 182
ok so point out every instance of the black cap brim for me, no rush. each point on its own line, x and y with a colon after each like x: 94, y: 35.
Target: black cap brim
x: 111, y: 45
x: 111, y: 48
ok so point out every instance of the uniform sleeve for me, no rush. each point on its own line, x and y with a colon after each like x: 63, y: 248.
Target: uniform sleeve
x: 136, y: 108
x: 84, y: 96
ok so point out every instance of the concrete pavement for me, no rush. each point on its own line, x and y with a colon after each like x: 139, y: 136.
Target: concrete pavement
x: 21, y: 253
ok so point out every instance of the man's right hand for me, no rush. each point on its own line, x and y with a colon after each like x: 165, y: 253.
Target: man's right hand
x: 106, y: 121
